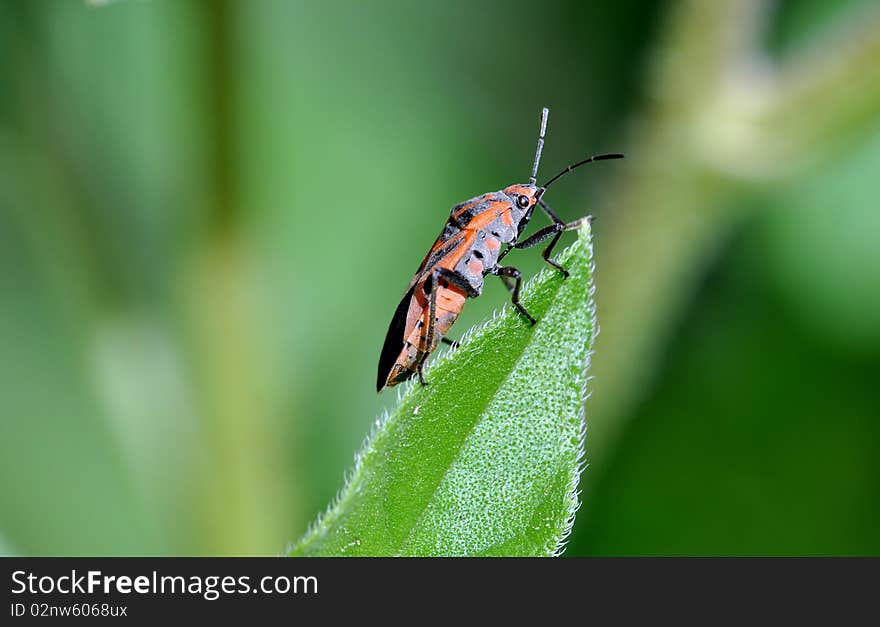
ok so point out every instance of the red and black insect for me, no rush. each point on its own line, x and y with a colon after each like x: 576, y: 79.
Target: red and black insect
x: 468, y: 249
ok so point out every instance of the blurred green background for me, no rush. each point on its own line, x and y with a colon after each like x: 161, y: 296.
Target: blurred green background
x: 209, y: 210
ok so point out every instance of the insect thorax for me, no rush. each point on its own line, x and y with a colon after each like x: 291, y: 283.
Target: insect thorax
x: 493, y: 221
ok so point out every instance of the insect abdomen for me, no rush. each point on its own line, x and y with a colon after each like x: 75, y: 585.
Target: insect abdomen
x: 450, y: 301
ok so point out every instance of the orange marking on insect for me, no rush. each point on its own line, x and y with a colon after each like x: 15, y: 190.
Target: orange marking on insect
x: 451, y: 299
x: 451, y: 260
x: 517, y: 190
x: 443, y: 283
x: 452, y: 241
x: 481, y: 221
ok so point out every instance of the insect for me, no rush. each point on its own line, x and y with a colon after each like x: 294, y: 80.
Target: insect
x: 468, y: 249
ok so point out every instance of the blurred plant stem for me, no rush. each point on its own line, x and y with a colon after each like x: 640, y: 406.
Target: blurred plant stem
x: 243, y: 508
x: 725, y: 122
x: 245, y: 503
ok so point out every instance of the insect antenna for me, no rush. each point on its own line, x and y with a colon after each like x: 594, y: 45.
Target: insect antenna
x: 579, y: 164
x: 545, y: 113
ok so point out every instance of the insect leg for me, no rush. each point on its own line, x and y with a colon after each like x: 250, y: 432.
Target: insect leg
x: 509, y: 283
x: 451, y: 343
x: 550, y: 212
x: 428, y: 338
x: 510, y: 272
x: 555, y: 230
x: 433, y: 282
x: 452, y: 278
x: 504, y: 252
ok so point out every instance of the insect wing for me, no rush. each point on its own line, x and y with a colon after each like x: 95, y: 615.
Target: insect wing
x: 412, y: 308
x: 394, y: 339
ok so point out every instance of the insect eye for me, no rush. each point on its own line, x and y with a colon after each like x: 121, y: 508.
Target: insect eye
x: 522, y: 201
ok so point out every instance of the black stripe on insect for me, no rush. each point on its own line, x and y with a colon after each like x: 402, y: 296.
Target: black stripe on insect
x: 478, y: 234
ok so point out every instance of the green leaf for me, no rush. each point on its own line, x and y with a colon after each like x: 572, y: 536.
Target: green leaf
x: 485, y: 459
